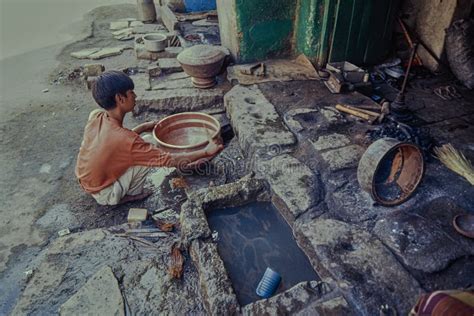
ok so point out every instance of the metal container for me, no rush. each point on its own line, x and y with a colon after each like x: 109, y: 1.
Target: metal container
x: 268, y: 284
x: 146, y: 10
x: 155, y: 42
x: 187, y: 132
x: 391, y: 170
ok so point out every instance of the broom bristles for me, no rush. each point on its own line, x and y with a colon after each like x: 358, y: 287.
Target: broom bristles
x: 455, y: 161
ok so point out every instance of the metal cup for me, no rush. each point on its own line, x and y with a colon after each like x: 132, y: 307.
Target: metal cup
x: 268, y: 284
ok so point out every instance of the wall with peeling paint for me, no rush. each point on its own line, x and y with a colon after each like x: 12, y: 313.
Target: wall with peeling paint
x: 324, y: 30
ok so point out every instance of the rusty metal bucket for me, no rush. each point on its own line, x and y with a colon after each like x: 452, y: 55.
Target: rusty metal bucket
x: 391, y: 170
x: 187, y: 132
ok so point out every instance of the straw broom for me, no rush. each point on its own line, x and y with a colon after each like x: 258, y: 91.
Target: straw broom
x: 456, y: 161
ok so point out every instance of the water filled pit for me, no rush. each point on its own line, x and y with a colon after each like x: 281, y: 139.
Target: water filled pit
x: 250, y: 239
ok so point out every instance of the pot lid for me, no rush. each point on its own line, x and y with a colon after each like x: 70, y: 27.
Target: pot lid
x: 200, y: 55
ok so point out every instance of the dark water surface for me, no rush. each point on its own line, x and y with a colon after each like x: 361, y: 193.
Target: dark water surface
x: 252, y: 238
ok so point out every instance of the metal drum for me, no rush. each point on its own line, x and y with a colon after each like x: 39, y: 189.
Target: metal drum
x: 391, y: 170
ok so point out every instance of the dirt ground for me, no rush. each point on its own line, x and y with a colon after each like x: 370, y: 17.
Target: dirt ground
x: 40, y: 137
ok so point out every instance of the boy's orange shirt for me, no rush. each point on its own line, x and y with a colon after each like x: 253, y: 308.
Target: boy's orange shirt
x: 108, y: 150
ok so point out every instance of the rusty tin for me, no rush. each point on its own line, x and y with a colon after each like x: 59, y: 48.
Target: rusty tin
x: 391, y: 170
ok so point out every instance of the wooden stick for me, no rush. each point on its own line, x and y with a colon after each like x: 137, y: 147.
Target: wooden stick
x: 363, y: 111
x: 356, y: 113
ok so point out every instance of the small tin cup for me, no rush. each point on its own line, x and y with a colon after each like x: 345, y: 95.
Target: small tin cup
x: 268, y: 284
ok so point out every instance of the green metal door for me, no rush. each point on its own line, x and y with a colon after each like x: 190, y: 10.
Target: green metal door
x: 363, y: 30
x: 358, y: 31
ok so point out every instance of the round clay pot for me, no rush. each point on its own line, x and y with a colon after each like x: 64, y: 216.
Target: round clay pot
x: 155, y: 42
x: 202, y: 63
x: 187, y: 132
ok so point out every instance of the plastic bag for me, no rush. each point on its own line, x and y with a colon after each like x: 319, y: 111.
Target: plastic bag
x: 460, y: 50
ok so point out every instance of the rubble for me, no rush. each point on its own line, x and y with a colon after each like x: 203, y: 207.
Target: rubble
x: 93, y: 69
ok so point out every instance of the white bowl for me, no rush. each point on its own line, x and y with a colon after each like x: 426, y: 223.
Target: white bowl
x: 155, y: 42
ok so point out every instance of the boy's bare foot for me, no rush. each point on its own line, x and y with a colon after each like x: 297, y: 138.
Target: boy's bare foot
x: 130, y: 198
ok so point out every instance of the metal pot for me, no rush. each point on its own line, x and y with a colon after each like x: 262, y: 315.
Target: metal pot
x: 390, y: 170
x: 187, y: 132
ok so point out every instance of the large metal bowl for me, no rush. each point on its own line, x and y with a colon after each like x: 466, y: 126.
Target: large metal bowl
x: 187, y: 132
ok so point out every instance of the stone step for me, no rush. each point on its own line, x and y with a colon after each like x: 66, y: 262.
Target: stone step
x: 175, y: 95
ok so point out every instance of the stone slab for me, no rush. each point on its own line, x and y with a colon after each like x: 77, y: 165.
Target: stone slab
x: 118, y: 25
x: 185, y: 83
x: 169, y: 65
x: 305, y: 298
x: 291, y: 118
x: 168, y: 18
x: 107, y: 52
x: 179, y: 100
x: 425, y: 239
x: 259, y: 128
x: 99, y: 296
x: 343, y: 158
x: 365, y: 270
x: 148, y: 28
x: 85, y: 53
x: 293, y: 183
x: 216, y: 286
x: 347, y: 202
x: 331, y: 141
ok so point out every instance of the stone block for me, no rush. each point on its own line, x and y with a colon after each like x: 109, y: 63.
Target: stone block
x: 137, y: 215
x: 291, y: 118
x: 85, y: 53
x: 93, y: 69
x: 148, y: 28
x: 295, y: 185
x: 216, y: 287
x: 184, y: 83
x: 89, y: 81
x: 365, y: 270
x: 118, y: 25
x: 305, y: 298
x: 101, y: 295
x: 343, y: 158
x: 154, y: 71
x: 169, y: 65
x: 331, y: 141
x: 179, y: 100
x: 106, y: 52
x: 136, y: 23
x: 425, y: 240
x: 168, y: 18
x: 257, y: 124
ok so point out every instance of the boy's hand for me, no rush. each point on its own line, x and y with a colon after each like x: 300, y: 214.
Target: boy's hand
x: 212, y: 149
x: 144, y: 127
